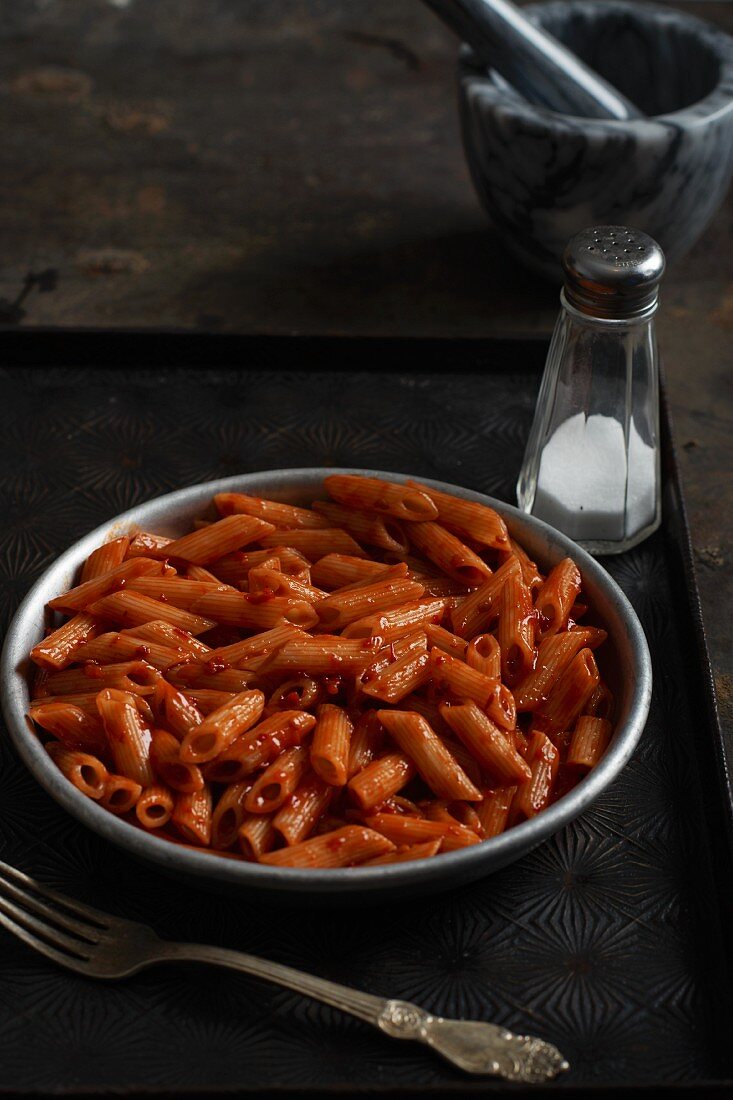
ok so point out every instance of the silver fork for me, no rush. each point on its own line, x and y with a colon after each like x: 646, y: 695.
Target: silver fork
x: 101, y: 946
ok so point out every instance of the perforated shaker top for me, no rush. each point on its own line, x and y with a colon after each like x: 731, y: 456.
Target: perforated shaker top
x: 613, y: 272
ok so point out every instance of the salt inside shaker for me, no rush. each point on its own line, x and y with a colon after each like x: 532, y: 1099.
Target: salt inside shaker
x: 591, y: 467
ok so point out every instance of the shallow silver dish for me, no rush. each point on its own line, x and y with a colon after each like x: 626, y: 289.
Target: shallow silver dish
x: 626, y: 663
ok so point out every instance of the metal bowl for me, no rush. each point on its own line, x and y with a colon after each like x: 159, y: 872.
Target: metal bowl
x: 627, y: 661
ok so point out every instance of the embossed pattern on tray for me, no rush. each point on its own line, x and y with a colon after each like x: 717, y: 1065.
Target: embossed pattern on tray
x: 603, y: 940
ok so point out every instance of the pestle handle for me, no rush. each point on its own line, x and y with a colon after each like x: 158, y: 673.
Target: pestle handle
x: 535, y: 63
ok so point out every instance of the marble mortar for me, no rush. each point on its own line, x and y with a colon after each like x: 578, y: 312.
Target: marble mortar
x: 543, y: 176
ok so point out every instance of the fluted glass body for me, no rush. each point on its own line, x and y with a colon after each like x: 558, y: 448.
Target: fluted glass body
x: 591, y: 467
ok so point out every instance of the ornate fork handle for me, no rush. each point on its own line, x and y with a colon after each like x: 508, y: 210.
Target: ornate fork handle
x: 473, y: 1046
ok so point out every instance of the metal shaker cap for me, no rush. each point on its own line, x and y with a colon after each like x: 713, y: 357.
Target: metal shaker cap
x: 613, y: 272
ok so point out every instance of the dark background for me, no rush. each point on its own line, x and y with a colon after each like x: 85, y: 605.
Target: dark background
x: 281, y: 166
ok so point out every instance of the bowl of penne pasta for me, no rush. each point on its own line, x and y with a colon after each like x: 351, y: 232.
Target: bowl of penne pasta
x: 326, y: 682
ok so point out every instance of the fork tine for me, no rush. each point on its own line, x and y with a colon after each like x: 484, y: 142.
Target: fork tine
x: 86, y: 912
x: 60, y: 957
x: 88, y: 932
x: 57, y: 938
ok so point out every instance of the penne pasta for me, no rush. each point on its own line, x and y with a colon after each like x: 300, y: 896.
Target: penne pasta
x: 392, y: 625
x: 530, y: 573
x: 278, y: 781
x: 515, y: 632
x: 493, y: 812
x: 401, y: 677
x: 448, y: 553
x: 114, y: 647
x: 440, y: 770
x: 228, y: 817
x: 341, y: 608
x: 256, y: 836
x: 69, y: 724
x: 177, y: 591
x: 571, y: 692
x: 345, y: 847
x: 374, y: 530
x: 168, y: 766
x: 489, y: 745
x: 297, y: 817
x: 258, y: 611
x: 192, y: 816
x: 84, y: 771
x: 145, y: 544
x: 381, y: 779
x: 556, y: 597
x: 84, y: 595
x: 479, y: 610
x: 329, y: 753
x: 161, y: 633
x: 58, y: 648
x: 127, y: 738
x: 374, y: 495
x: 589, y: 742
x: 483, y: 654
x: 315, y: 544
x: 440, y: 638
x: 339, y: 570
x: 325, y: 654
x: 105, y: 557
x: 469, y: 519
x: 259, y: 746
x: 404, y: 829
x: 272, y: 511
x: 218, y: 539
x: 135, y: 676
x: 217, y: 731
x: 174, y: 710
x: 154, y: 806
x: 134, y: 609
x: 207, y: 699
x: 406, y: 854
x: 120, y: 794
x: 267, y: 580
x: 366, y: 741
x: 453, y: 677
x: 533, y: 794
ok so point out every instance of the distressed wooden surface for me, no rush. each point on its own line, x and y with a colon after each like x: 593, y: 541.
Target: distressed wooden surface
x: 295, y: 166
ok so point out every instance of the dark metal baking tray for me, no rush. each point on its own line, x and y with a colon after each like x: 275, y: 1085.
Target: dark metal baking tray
x: 610, y: 940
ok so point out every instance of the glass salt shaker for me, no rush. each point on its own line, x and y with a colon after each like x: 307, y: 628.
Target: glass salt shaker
x: 591, y: 467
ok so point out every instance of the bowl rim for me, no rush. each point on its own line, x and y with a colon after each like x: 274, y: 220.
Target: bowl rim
x: 203, y: 865
x: 716, y: 104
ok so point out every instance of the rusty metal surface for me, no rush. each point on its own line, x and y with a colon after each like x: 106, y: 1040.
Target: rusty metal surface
x: 294, y: 165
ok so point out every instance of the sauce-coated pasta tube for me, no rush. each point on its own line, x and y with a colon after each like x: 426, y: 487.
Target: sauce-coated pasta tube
x: 114, y: 647
x: 440, y: 770
x: 104, y: 558
x: 276, y: 783
x: 263, y: 579
x: 589, y: 742
x: 329, y: 752
x: 382, y: 532
x: 192, y: 816
x: 322, y: 655
x: 272, y: 511
x: 554, y: 655
x: 216, y: 540
x: 381, y: 779
x: 316, y: 544
x: 483, y: 654
x: 256, y: 836
x: 345, y: 847
x: 392, y: 625
x: 259, y: 746
x: 145, y: 544
x: 454, y: 677
x: 533, y: 794
x: 406, y: 854
x: 493, y: 812
x: 556, y: 597
x: 256, y: 611
x: 339, y: 570
x: 120, y: 794
x: 366, y: 741
x: 448, y: 552
x: 401, y: 677
x: 220, y: 728
x: 167, y: 764
x: 87, y: 593
x: 154, y: 807
x: 168, y: 635
x: 342, y: 608
x: 468, y: 518
x: 479, y: 610
x: 374, y: 495
x: 531, y: 574
x: 58, y: 649
x: 127, y: 737
x: 229, y: 814
x: 571, y: 692
x: 296, y: 818
x: 134, y: 609
x: 491, y: 747
x: 174, y: 710
x: 404, y: 829
x: 177, y: 591
x: 515, y: 633
x: 440, y: 638
x: 70, y: 725
x: 86, y: 772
